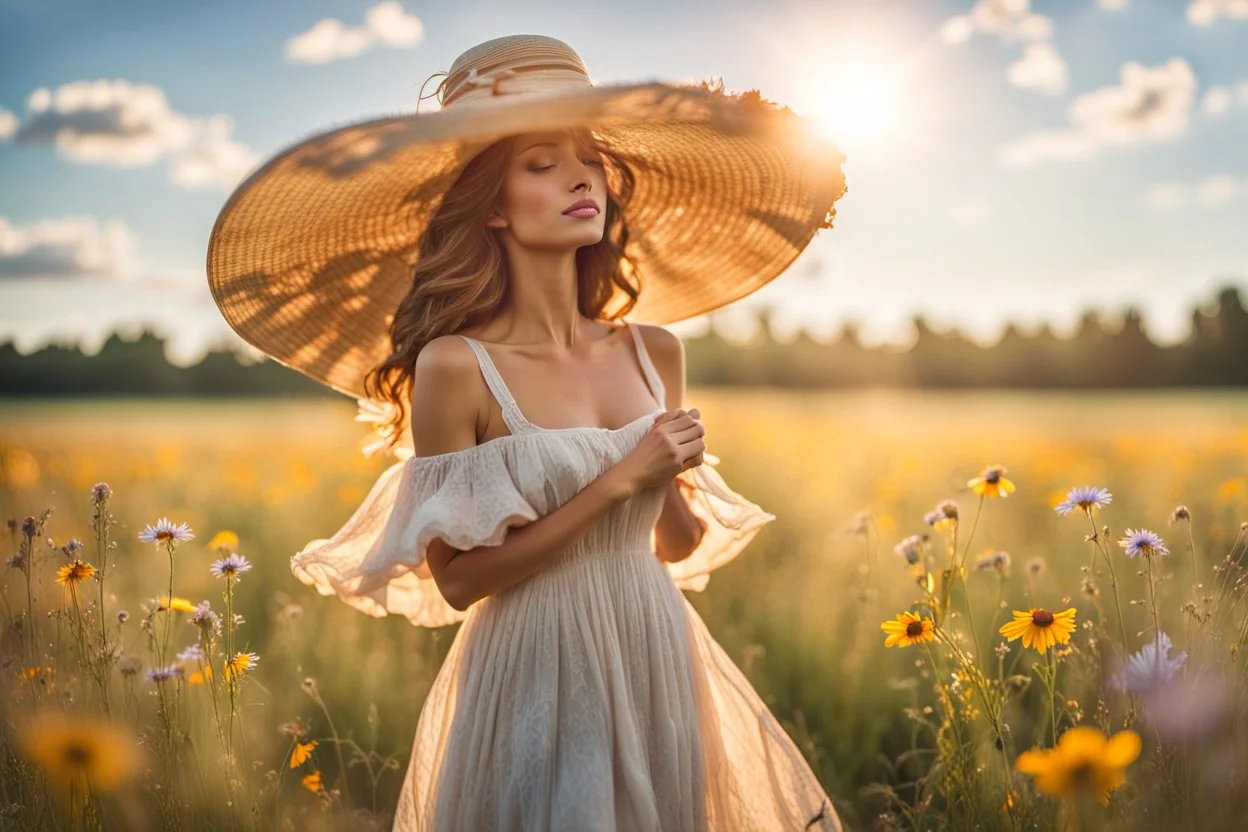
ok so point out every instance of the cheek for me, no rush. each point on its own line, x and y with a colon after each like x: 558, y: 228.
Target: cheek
x: 535, y: 197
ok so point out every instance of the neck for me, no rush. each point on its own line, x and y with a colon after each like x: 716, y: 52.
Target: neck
x: 543, y: 307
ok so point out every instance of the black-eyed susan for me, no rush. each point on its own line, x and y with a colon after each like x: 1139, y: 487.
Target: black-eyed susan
x: 1040, y: 628
x: 302, y: 753
x: 240, y: 664
x: 1084, y: 760
x: 908, y: 629
x: 178, y: 604
x: 72, y: 573
x: 992, y: 482
x: 312, y: 782
x: 80, y: 750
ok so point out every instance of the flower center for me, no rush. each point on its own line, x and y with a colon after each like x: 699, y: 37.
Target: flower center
x: 993, y: 476
x: 77, y: 754
x: 914, y: 629
x: 1042, y: 618
x: 163, y: 535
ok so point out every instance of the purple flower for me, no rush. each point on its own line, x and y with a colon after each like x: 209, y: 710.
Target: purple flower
x: 166, y: 531
x: 230, y: 566
x: 101, y: 492
x: 1143, y: 542
x: 161, y: 674
x: 909, y: 549
x: 1084, y: 497
x: 194, y: 653
x: 1149, y: 670
x: 204, y: 618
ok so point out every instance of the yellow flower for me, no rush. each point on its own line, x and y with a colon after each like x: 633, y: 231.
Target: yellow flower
x: 198, y: 677
x: 225, y: 540
x: 241, y: 663
x: 71, y: 573
x: 991, y: 482
x: 1040, y: 628
x: 908, y: 629
x: 1083, y: 759
x: 81, y: 750
x: 312, y: 782
x: 303, y: 750
x: 179, y: 604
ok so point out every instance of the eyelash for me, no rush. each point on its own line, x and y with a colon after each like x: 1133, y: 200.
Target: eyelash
x: 548, y: 167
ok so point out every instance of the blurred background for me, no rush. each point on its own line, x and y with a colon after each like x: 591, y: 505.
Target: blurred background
x: 1040, y: 262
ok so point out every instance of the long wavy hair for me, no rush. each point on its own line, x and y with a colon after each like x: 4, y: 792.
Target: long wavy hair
x: 461, y: 277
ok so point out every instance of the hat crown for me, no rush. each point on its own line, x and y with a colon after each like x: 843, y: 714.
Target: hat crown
x: 514, y: 64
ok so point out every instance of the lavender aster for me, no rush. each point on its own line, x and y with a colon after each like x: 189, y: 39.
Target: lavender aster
x: 101, y: 492
x: 1143, y: 542
x: 161, y: 674
x: 165, y: 530
x: 1086, y: 498
x: 204, y: 618
x: 909, y: 549
x: 230, y: 566
x: 194, y: 653
x: 1149, y: 669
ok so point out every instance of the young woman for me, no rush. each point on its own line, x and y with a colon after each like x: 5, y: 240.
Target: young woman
x: 554, y: 496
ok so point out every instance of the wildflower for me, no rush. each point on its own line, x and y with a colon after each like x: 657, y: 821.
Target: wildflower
x: 161, y: 674
x: 166, y: 532
x: 73, y: 547
x: 71, y: 573
x: 178, y: 604
x: 944, y: 516
x: 193, y: 653
x: 312, y: 782
x: 994, y: 560
x: 1086, y: 498
x: 205, y: 619
x: 909, y: 549
x: 225, y: 540
x: 28, y: 527
x: 101, y: 492
x: 130, y: 666
x: 992, y: 483
x: 908, y: 629
x: 1150, y: 669
x: 241, y: 663
x: 1040, y: 628
x: 303, y: 751
x: 1143, y: 542
x: 81, y: 751
x: 1035, y: 566
x: 231, y: 566
x: 199, y: 676
x: 1180, y: 513
x: 123, y: 616
x: 1083, y: 759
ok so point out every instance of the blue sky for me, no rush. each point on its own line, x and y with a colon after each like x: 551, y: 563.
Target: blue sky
x: 1007, y: 161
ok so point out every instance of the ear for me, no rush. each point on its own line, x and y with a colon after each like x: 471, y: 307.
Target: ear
x: 496, y: 220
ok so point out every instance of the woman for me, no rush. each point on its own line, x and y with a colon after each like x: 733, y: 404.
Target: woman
x: 554, y: 498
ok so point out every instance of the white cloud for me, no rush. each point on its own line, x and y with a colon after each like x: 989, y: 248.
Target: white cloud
x: 1040, y: 69
x: 1217, y: 101
x: 113, y: 122
x: 1152, y: 104
x: 1011, y: 20
x: 8, y: 124
x: 1207, y: 12
x: 1212, y: 191
x: 385, y: 24
x: 1113, y: 5
x: 68, y: 246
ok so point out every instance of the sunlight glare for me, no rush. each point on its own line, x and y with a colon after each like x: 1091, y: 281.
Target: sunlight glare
x: 856, y: 103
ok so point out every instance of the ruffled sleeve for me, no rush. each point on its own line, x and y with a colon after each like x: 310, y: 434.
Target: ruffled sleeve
x: 376, y: 561
x: 731, y: 523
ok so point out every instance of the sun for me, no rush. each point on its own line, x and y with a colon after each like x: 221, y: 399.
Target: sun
x: 856, y: 102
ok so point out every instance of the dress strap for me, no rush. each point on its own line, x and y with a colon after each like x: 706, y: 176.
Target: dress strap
x: 647, y: 367
x: 515, y: 420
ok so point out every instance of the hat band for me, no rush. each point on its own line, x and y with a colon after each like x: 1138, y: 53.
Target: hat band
x: 487, y: 82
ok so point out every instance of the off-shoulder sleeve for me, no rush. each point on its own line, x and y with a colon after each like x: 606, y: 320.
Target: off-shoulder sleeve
x: 731, y: 523
x: 376, y: 561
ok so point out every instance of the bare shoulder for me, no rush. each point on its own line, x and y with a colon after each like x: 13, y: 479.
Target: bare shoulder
x: 446, y: 388
x: 667, y: 352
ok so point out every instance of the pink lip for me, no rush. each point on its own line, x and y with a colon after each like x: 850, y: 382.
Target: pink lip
x: 582, y: 208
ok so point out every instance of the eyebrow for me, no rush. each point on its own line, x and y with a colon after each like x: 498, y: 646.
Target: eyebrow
x: 539, y: 144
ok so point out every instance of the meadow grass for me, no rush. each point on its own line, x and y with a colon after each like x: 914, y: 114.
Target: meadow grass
x: 926, y: 736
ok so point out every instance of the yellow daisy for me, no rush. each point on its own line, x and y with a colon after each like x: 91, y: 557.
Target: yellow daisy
x: 225, y: 540
x: 1084, y: 759
x: 71, y: 573
x: 312, y: 782
x: 241, y: 663
x: 301, y: 754
x: 198, y: 677
x: 179, y: 604
x: 908, y: 629
x: 1040, y: 628
x: 81, y: 750
x: 992, y: 482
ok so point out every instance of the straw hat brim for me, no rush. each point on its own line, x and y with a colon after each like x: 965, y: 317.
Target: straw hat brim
x: 313, y: 252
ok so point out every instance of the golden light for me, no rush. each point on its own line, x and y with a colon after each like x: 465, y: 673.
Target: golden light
x: 858, y: 102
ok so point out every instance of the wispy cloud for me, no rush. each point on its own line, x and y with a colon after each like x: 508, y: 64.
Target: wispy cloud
x: 385, y: 24
x: 113, y: 122
x: 1207, y: 12
x: 71, y: 246
x: 1113, y: 5
x: 1040, y: 69
x: 1152, y: 104
x: 1212, y: 191
x: 1219, y: 98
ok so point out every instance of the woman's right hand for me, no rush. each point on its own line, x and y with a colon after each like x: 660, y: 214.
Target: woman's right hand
x: 672, y: 444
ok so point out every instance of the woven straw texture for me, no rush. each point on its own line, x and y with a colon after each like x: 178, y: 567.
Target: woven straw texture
x: 311, y: 254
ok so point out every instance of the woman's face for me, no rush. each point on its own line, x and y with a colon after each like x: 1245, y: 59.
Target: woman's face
x: 547, y: 175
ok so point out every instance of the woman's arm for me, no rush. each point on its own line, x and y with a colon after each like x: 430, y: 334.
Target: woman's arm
x: 677, y: 531
x: 444, y: 422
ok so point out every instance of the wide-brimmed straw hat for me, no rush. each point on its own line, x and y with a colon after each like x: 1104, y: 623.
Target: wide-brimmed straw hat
x: 312, y: 253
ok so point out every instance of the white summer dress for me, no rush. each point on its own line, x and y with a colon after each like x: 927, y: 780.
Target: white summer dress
x: 589, y: 696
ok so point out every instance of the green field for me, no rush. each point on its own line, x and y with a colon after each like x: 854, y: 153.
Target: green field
x: 799, y: 610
